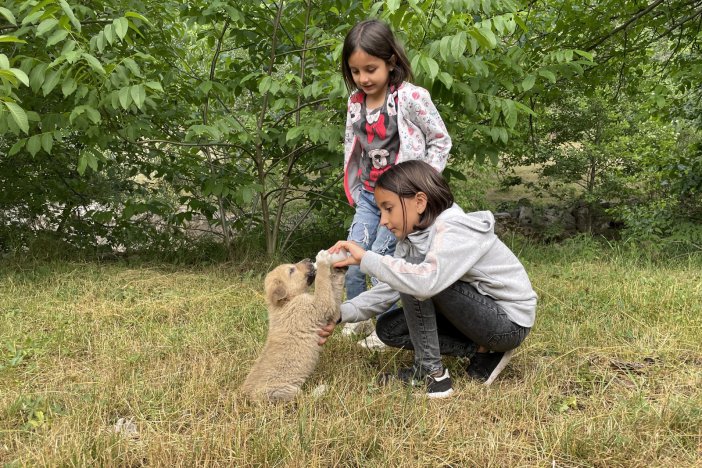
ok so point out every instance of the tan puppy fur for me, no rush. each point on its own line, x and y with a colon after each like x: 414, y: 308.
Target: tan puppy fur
x: 295, y: 316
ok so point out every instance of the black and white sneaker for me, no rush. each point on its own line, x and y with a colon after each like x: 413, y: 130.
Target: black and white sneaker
x: 439, y: 387
x: 436, y: 387
x: 485, y: 367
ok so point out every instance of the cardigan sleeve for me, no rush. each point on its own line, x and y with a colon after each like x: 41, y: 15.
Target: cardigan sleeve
x: 423, y: 114
x: 348, y: 132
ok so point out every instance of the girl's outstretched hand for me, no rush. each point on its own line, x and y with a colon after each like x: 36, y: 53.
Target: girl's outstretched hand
x: 355, y: 251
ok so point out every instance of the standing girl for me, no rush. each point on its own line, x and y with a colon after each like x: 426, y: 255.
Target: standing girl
x: 389, y: 120
x: 463, y: 292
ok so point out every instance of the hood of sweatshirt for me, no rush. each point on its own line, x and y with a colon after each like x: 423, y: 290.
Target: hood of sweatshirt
x: 417, y: 243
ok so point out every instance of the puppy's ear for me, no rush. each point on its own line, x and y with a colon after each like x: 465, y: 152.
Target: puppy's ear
x: 278, y: 292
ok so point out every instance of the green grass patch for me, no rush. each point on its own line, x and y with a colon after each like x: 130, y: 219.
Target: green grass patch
x: 610, y: 376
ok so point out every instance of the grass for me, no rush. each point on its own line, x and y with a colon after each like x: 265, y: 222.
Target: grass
x: 610, y: 376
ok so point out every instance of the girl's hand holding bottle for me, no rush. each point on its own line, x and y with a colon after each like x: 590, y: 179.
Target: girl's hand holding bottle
x: 355, y: 253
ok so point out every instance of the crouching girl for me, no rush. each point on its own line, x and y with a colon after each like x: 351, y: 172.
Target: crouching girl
x: 463, y: 292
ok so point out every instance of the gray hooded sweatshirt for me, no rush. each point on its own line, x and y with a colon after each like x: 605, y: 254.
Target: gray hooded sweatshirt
x: 457, y: 246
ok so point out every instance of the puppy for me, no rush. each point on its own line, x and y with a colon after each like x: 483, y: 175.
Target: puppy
x: 295, y: 316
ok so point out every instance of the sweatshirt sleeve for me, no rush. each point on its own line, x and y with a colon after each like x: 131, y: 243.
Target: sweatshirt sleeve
x: 454, y: 250
x: 368, y: 304
x: 425, y: 116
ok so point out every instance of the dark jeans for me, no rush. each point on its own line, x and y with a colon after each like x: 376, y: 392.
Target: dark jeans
x: 454, y: 322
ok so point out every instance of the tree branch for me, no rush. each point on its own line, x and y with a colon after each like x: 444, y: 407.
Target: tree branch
x: 309, y: 210
x: 631, y: 20
x: 201, y: 144
x: 301, y: 106
x: 680, y: 23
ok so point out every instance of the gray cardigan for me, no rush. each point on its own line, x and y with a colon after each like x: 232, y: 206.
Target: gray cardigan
x: 457, y: 246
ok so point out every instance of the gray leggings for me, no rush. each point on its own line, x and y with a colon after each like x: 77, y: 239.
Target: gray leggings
x: 454, y: 322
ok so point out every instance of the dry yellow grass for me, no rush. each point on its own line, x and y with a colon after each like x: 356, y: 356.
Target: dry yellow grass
x: 611, y: 375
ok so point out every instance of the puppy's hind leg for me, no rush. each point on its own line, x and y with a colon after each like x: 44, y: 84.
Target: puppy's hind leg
x: 284, y: 393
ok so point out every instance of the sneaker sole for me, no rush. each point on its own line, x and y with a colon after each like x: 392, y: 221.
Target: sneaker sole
x: 436, y: 395
x: 358, y: 329
x: 376, y: 346
x: 500, y: 367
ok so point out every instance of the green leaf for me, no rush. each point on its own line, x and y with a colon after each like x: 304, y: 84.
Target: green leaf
x: 584, y: 54
x: 431, y: 66
x: 504, y: 136
x: 414, y: 61
x: 22, y: 76
x: 480, y: 38
x: 205, y: 87
x: 109, y: 34
x: 446, y: 79
x: 294, y: 133
x: 132, y: 14
x: 548, y: 74
x: 4, y: 62
x: 69, y: 12
x: 93, y: 62
x: 484, y: 36
x: 523, y: 108
x: 444, y: 47
x: 82, y: 162
x: 138, y: 95
x: 87, y: 159
x: 46, y: 26
x: 92, y: 161
x: 56, y: 37
x: 314, y: 134
x: 36, y: 76
x: 121, y: 27
x: 265, y: 84
x: 19, y: 144
x: 50, y: 82
x: 155, y: 85
x: 132, y: 66
x: 34, y: 145
x: 99, y: 41
x: 47, y: 142
x: 9, y: 76
x: 520, y: 22
x: 93, y: 114
x: 247, y: 194
x: 528, y: 82
x: 75, y: 113
x: 68, y: 86
x: 470, y: 101
x: 11, y: 39
x: 393, y: 5
x: 18, y: 115
x: 8, y: 15
x: 32, y: 17
x: 490, y: 36
x: 458, y: 45
x: 124, y: 98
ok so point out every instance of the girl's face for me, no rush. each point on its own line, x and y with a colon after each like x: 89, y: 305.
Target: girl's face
x: 392, y: 215
x: 371, y: 74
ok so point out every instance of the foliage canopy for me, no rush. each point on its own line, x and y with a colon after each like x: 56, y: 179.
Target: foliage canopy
x: 123, y: 122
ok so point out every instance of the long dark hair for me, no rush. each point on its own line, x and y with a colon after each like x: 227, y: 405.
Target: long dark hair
x: 408, y: 178
x: 375, y: 38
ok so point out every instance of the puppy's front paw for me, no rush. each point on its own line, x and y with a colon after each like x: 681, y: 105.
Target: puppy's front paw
x: 323, y: 258
x: 326, y: 258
